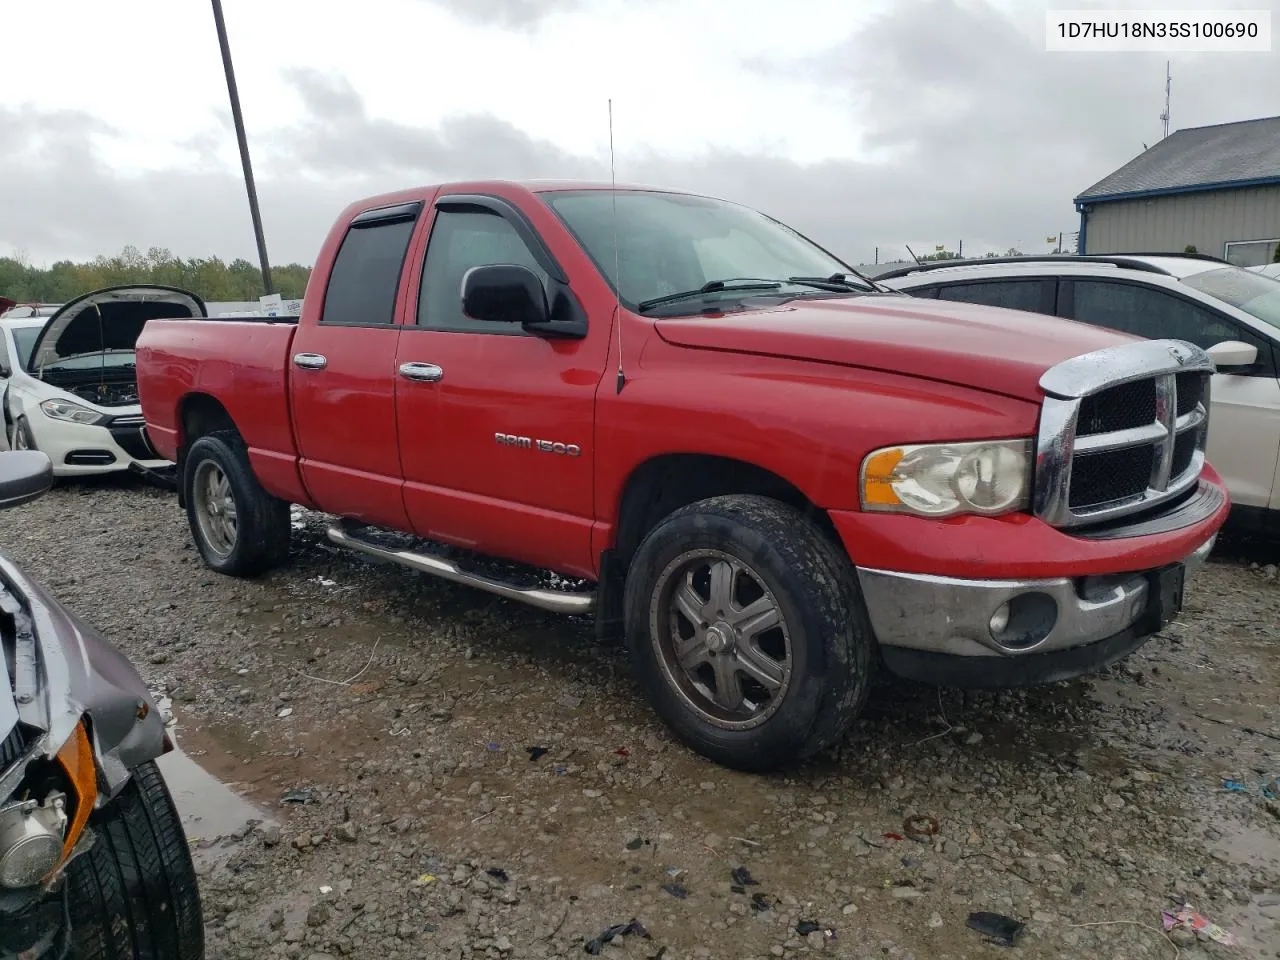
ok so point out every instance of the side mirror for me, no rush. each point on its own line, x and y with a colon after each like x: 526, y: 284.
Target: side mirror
x: 25, y: 475
x: 504, y: 293
x: 1233, y: 353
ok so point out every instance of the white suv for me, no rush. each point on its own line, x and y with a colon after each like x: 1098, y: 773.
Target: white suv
x: 1231, y: 312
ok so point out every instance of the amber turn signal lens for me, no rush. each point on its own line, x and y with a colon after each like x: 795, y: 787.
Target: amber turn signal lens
x: 877, y: 477
x: 76, y: 758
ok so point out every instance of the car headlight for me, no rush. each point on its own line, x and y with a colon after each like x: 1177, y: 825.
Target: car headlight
x: 939, y: 479
x: 66, y: 410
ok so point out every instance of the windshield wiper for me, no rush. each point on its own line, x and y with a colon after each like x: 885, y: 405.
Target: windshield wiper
x: 714, y: 286
x: 838, y: 282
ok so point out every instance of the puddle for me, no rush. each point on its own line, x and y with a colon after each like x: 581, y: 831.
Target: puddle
x: 210, y: 809
x: 1256, y: 924
x: 1243, y: 843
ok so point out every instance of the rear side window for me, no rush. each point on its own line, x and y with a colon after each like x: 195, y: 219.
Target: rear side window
x: 1034, y: 296
x: 366, y: 274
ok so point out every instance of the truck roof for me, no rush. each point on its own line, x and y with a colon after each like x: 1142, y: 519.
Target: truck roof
x: 499, y: 186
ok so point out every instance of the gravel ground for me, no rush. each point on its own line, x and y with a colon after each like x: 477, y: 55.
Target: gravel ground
x: 383, y: 726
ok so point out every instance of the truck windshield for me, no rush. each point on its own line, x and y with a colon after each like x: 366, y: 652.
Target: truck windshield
x: 668, y: 243
x: 1245, y: 290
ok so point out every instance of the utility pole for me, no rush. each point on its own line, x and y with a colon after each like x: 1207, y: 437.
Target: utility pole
x: 234, y: 94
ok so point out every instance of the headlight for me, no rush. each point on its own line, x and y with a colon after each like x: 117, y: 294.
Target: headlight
x: 939, y: 479
x: 66, y: 410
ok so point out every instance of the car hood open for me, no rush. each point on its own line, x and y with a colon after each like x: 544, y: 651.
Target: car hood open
x: 986, y: 348
x: 109, y: 319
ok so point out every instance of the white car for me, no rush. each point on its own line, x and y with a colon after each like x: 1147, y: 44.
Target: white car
x: 1231, y: 312
x: 1268, y: 270
x: 68, y: 384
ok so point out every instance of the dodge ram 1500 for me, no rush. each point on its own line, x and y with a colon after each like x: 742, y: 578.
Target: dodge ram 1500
x: 770, y: 474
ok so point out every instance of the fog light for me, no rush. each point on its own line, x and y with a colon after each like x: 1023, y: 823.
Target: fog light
x: 1000, y: 620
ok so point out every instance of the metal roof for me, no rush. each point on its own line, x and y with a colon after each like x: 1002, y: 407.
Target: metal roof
x: 1199, y: 158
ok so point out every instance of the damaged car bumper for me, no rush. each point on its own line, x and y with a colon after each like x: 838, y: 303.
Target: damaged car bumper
x: 114, y: 443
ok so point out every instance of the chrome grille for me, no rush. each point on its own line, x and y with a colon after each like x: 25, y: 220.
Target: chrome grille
x: 1121, y: 430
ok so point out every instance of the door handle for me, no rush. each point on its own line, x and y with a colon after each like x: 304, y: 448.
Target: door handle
x: 422, y: 372
x: 310, y: 361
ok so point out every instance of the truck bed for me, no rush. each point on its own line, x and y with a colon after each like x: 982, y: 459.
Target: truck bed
x: 244, y: 362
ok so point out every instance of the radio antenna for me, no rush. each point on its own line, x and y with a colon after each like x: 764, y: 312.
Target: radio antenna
x: 617, y: 259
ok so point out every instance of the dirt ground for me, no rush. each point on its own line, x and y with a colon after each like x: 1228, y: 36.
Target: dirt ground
x: 359, y: 775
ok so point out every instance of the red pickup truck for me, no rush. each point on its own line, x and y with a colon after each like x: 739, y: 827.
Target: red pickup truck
x: 683, y: 418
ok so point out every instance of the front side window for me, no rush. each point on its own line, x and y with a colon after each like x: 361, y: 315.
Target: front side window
x: 1254, y: 293
x: 459, y: 241
x: 669, y: 243
x: 1034, y: 296
x: 1148, y: 313
x: 366, y: 274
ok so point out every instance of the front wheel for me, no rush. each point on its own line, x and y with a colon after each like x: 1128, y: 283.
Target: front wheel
x: 134, y: 892
x: 748, y: 631
x: 239, y: 528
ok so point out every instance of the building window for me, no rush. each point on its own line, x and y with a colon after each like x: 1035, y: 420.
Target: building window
x: 1251, y: 253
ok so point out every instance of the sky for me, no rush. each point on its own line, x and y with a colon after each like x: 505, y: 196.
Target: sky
x: 868, y: 124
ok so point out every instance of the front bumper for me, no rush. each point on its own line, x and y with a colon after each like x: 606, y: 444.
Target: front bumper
x: 77, y: 449
x: 941, y: 629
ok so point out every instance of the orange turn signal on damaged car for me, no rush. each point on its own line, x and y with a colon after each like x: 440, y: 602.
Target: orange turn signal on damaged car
x: 985, y: 477
x: 77, y: 762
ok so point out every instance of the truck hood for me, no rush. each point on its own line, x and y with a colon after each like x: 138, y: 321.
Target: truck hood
x: 109, y: 319
x: 970, y: 345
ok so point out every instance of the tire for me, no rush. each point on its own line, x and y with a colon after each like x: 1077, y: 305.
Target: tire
x: 777, y: 557
x: 257, y: 537
x: 134, y: 893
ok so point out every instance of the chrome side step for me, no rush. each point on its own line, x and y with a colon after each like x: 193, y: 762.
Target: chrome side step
x: 556, y: 601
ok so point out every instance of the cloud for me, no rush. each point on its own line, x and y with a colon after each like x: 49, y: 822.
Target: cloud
x: 517, y: 14
x: 971, y: 132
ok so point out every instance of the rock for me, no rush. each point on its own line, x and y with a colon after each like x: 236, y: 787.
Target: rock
x: 503, y: 944
x: 302, y: 841
x: 907, y: 893
x: 972, y: 739
x: 935, y: 921
x: 849, y: 909
x: 270, y: 834
x: 319, y: 914
x: 1113, y: 801
x: 347, y: 832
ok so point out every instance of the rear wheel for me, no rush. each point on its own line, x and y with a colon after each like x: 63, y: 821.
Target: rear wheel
x: 238, y: 527
x: 748, y: 631
x: 134, y: 892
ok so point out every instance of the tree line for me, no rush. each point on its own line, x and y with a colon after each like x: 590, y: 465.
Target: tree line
x: 212, y: 278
